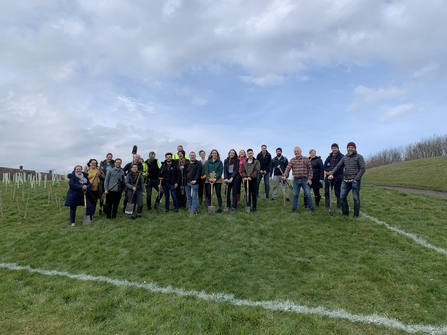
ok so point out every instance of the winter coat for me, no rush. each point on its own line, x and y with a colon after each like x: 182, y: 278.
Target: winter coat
x: 196, y: 171
x: 282, y: 162
x: 235, y: 173
x: 133, y: 179
x: 170, y: 174
x: 264, y: 161
x: 75, y: 195
x: 327, y: 165
x: 251, y: 170
x: 318, y: 171
x: 216, y: 167
x: 151, y: 167
x: 354, y: 166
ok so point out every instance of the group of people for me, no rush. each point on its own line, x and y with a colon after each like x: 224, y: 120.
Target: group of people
x: 187, y: 179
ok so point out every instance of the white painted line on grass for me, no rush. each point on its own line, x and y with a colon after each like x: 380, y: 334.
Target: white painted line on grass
x: 274, y: 305
x: 415, y: 238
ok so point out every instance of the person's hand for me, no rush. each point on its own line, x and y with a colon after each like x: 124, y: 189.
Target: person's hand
x: 175, y: 185
x: 330, y: 177
x: 106, y: 192
x: 271, y: 178
x: 309, y: 182
x: 134, y: 188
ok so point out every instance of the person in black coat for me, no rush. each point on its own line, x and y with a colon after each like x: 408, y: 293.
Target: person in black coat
x: 318, y: 176
x: 232, y: 179
x: 78, y: 186
x: 329, y: 164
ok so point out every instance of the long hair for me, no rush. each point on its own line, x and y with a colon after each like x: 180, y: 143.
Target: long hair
x: 233, y: 159
x: 210, y: 156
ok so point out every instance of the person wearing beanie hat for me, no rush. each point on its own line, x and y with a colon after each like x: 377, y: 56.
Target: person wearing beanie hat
x: 329, y: 164
x: 353, y: 165
x: 278, y: 166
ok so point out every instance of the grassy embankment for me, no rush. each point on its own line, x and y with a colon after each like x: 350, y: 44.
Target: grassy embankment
x: 358, y: 267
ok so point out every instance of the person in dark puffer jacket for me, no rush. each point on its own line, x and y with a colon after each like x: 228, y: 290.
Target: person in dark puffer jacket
x: 317, y: 178
x: 329, y: 164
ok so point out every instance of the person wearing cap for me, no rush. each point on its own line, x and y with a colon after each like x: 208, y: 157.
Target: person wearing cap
x: 278, y: 166
x: 302, y: 178
x: 151, y: 170
x: 329, y: 164
x: 353, y: 165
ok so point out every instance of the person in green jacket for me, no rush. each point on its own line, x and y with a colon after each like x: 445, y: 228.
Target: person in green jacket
x: 213, y: 173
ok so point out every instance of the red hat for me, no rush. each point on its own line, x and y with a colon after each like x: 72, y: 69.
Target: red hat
x: 351, y: 144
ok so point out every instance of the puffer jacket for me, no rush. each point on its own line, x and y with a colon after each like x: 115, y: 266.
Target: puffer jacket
x: 75, y: 196
x: 354, y: 166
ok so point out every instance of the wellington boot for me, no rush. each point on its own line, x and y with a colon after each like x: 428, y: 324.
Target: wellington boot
x: 345, y: 209
x: 317, y: 201
x: 356, y: 211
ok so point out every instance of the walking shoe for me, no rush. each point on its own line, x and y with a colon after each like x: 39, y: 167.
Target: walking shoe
x: 131, y: 217
x: 287, y: 199
x: 356, y: 217
x: 344, y: 216
x: 273, y: 198
x: 233, y: 210
x: 311, y: 211
x: 138, y: 216
x: 253, y: 210
x: 293, y: 210
x: 72, y: 224
x: 100, y: 211
x: 176, y: 210
x: 219, y: 210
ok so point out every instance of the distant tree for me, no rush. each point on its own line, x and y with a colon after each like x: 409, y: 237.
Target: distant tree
x: 427, y: 147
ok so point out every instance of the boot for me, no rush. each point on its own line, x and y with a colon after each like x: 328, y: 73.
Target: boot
x: 338, y: 203
x: 345, y: 210
x: 327, y: 204
x: 356, y: 211
x: 317, y: 201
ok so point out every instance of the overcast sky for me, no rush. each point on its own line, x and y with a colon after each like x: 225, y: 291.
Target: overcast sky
x: 79, y: 79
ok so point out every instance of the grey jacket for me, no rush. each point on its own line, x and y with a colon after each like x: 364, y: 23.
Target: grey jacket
x: 114, y: 180
x: 354, y: 166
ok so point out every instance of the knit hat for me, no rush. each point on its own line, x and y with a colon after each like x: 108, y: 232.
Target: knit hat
x: 334, y: 145
x: 351, y: 144
x: 279, y: 149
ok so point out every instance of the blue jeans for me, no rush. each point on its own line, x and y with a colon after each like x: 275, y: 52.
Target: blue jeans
x: 266, y: 183
x: 192, y: 200
x: 166, y: 188
x: 297, y: 183
x: 346, y: 187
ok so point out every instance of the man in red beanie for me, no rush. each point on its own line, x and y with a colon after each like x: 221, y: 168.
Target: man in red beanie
x: 354, y: 168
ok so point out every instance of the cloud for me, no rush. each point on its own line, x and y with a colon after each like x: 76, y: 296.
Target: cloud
x: 397, y: 112
x: 365, y: 96
x: 267, y: 80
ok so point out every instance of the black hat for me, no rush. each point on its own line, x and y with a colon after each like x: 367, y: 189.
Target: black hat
x: 279, y: 149
x: 334, y: 145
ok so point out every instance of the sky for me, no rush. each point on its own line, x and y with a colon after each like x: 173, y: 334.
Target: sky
x: 82, y: 78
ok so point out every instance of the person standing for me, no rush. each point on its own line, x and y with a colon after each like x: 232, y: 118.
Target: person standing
x: 318, y: 176
x: 329, y: 164
x: 265, y: 161
x: 242, y: 157
x: 231, y: 176
x: 113, y: 189
x: 302, y: 178
x: 213, y: 172
x: 78, y: 186
x: 250, y: 172
x: 180, y: 191
x: 96, y: 177
x: 279, y: 164
x: 151, y: 170
x: 106, y: 165
x: 135, y: 189
x: 354, y: 167
x: 170, y: 173
x: 191, y: 175
x: 202, y: 155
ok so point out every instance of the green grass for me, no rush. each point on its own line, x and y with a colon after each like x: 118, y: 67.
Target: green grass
x: 429, y: 173
x: 312, y: 260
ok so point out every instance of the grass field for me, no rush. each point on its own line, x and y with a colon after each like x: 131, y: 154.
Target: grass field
x: 273, y: 272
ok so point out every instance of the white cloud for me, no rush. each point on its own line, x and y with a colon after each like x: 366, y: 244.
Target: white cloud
x: 365, y: 96
x: 398, y: 112
x: 266, y: 80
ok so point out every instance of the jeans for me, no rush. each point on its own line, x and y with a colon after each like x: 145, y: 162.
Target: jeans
x: 166, y: 189
x: 346, y: 187
x: 297, y: 183
x: 266, y: 183
x: 192, y: 200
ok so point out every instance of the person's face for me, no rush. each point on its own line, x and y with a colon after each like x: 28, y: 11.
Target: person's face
x: 109, y: 158
x: 232, y: 153
x: 192, y: 156
x: 179, y: 148
x: 202, y: 154
x: 118, y: 163
x: 250, y: 154
x: 180, y: 155
x: 168, y: 158
x: 351, y: 149
x: 78, y: 169
x: 214, y: 154
x: 278, y: 153
x: 141, y: 160
x: 264, y: 149
x: 242, y: 153
x: 137, y: 158
x: 152, y: 155
x: 334, y: 150
x: 93, y: 164
x: 134, y: 168
x: 297, y: 152
x: 312, y: 153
